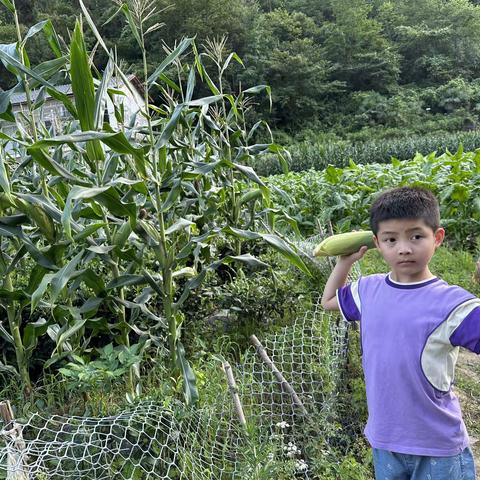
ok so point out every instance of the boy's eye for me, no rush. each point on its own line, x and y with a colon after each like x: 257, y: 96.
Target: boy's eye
x: 418, y: 236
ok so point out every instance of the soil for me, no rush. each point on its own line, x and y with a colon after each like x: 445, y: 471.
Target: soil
x: 468, y: 391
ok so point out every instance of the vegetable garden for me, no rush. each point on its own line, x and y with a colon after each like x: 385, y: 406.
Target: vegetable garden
x: 137, y: 260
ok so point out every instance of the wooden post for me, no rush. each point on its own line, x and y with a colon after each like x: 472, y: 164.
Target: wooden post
x: 16, y: 469
x: 281, y: 379
x: 6, y: 412
x: 232, y: 386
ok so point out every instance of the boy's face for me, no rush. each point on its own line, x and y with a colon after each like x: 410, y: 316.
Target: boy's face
x: 407, y: 245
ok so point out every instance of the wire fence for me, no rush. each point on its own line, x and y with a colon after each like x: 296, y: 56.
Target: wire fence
x: 286, y: 391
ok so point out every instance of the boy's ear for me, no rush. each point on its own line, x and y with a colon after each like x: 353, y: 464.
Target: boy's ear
x: 439, y: 236
x: 375, y: 241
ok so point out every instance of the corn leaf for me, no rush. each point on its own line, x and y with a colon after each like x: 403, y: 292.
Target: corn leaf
x: 275, y: 242
x: 131, y: 22
x: 77, y: 193
x: 4, y: 180
x: 61, y: 278
x: 184, y: 44
x: 84, y: 92
x: 13, y: 65
x: 9, y: 5
x: 64, y: 336
x: 126, y: 280
x: 40, y: 290
x: 189, y: 381
x: 100, y: 95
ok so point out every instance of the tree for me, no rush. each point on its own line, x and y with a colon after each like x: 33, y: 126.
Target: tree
x: 285, y: 53
x: 363, y: 57
x: 438, y: 39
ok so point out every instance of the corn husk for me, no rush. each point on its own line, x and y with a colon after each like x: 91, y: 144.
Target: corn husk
x: 344, y: 243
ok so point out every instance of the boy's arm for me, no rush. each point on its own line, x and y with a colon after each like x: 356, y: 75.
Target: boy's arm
x: 338, y: 278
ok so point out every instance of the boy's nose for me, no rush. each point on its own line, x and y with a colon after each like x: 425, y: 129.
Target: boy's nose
x: 404, y: 248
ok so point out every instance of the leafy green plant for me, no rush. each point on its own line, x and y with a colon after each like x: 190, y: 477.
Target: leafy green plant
x: 118, y: 219
x: 110, y: 366
x: 343, y: 195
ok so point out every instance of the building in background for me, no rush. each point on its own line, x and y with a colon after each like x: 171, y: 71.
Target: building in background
x: 54, y: 116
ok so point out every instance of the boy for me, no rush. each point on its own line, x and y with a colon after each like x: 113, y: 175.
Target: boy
x: 411, y: 325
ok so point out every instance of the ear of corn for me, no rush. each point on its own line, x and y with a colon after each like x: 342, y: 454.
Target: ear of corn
x: 344, y: 243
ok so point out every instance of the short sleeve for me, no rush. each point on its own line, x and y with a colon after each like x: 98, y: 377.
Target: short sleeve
x: 467, y: 334
x: 349, y: 302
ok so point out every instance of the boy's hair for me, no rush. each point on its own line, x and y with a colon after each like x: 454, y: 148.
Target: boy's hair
x: 405, y: 202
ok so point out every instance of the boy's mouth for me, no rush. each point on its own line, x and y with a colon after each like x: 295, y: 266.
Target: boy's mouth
x: 406, y: 262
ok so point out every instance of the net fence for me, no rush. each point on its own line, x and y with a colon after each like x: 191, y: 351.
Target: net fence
x: 287, y: 391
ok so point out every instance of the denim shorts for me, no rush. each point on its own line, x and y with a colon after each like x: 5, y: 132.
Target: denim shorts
x: 400, y: 466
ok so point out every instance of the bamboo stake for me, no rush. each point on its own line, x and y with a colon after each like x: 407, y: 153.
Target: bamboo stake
x: 232, y: 386
x: 281, y: 379
x: 16, y: 469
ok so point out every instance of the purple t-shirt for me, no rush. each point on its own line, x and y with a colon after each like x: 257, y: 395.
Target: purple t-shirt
x: 411, y: 334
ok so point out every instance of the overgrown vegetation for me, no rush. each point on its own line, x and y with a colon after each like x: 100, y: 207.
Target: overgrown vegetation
x: 152, y: 205
x: 132, y: 251
x: 356, y: 70
x: 343, y: 196
x: 319, y: 154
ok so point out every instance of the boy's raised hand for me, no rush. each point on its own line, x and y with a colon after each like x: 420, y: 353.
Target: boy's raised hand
x: 354, y: 257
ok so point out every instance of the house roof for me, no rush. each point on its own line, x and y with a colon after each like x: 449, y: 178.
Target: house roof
x: 19, y: 98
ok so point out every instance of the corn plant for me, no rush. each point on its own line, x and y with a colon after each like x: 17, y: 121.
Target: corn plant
x: 109, y: 226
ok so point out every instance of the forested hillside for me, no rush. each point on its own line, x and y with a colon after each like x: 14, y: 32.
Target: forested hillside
x: 352, y: 69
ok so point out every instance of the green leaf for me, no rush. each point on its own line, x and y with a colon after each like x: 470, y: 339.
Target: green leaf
x: 40, y: 290
x: 189, y: 381
x: 190, y: 85
x: 249, y: 172
x: 87, y: 231
x: 200, y: 102
x: 274, y: 241
x: 126, y: 280
x: 233, y: 56
x: 52, y: 38
x: 49, y: 68
x: 61, y: 278
x: 260, y: 88
x: 4, y: 180
x: 38, y: 27
x: 77, y: 193
x: 92, y: 280
x: 101, y: 249
x: 33, y: 331
x: 14, y: 65
x: 67, y: 103
x: 126, y: 11
x: 49, y: 164
x: 9, y: 5
x: 180, y: 224
x: 101, y: 94
x: 247, y: 259
x: 64, y: 336
x: 170, y: 127
x: 84, y: 92
x: 82, y: 80
x: 184, y: 44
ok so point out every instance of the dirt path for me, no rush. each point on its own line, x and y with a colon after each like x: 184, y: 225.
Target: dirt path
x: 468, y: 391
